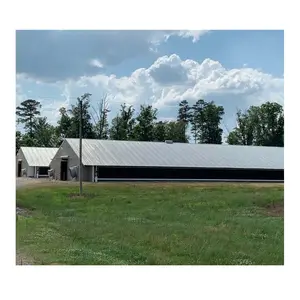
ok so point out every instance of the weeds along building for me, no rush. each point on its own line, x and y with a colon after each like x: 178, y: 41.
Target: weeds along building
x: 132, y: 160
x: 33, y: 160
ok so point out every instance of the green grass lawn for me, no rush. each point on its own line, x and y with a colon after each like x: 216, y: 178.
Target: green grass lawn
x: 145, y: 224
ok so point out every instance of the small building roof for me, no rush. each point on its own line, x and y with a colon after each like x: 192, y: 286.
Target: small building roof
x: 161, y: 154
x: 38, y: 156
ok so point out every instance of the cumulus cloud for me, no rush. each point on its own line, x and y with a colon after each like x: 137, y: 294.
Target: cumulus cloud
x: 168, y: 70
x: 62, y: 54
x: 168, y: 81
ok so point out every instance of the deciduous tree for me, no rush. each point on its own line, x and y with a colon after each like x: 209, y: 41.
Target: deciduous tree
x: 259, y: 125
x: 87, y: 126
x: 144, y: 130
x: 100, y: 118
x: 122, y: 127
x: 44, y: 134
x: 206, y: 122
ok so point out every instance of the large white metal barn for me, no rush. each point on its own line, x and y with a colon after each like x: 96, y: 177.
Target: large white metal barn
x: 34, y: 161
x: 133, y: 160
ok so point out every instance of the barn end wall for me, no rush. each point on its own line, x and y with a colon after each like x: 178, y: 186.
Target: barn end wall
x: 20, y: 155
x: 73, y: 160
x: 64, y: 150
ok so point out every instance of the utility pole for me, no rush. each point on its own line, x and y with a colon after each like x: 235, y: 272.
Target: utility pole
x: 80, y: 100
x: 80, y: 146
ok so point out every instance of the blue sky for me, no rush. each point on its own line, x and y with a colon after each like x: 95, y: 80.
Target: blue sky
x: 235, y: 69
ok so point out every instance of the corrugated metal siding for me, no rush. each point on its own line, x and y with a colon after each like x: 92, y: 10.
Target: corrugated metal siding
x: 38, y: 156
x: 131, y: 153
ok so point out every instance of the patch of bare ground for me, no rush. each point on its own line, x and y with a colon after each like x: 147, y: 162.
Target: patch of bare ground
x: 22, y: 260
x: 274, y: 210
x: 264, y: 184
x: 46, y: 183
x: 20, y: 211
x: 84, y: 196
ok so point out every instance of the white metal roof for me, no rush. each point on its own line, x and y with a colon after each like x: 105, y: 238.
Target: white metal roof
x: 160, y: 154
x: 38, y: 156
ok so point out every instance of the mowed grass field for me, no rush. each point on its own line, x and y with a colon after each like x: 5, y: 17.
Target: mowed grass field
x: 148, y: 224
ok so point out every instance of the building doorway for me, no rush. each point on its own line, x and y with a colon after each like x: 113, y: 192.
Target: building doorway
x: 64, y: 170
x: 19, y: 168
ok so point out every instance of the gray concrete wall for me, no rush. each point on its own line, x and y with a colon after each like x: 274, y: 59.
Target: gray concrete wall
x: 73, y: 160
x: 87, y: 173
x: 30, y: 170
x: 64, y: 150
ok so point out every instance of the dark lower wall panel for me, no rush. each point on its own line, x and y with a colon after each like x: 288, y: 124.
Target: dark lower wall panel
x: 43, y: 170
x: 189, y: 173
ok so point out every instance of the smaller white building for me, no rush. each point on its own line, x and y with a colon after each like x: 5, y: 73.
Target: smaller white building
x: 35, y: 160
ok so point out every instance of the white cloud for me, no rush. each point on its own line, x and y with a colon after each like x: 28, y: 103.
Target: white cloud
x: 168, y: 81
x: 195, y: 34
x: 50, y: 109
x: 67, y: 95
x: 96, y: 63
x: 172, y: 67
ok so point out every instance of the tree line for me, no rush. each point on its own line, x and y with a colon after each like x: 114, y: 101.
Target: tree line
x: 200, y: 123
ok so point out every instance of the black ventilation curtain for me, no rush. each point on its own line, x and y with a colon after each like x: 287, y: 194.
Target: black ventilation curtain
x: 188, y: 173
x: 43, y: 170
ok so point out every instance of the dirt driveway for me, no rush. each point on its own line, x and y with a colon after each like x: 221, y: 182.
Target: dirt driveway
x: 24, y: 181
